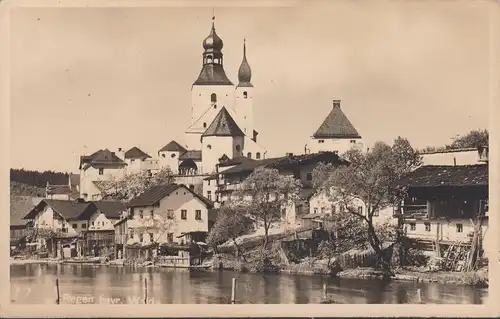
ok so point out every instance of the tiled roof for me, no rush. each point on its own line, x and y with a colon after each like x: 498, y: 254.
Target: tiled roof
x: 70, y: 210
x: 19, y: 207
x: 336, y: 125
x: 58, y: 190
x: 235, y: 161
x: 285, y: 162
x: 173, y: 146
x: 156, y: 193
x: 212, y: 74
x: 223, y: 125
x: 110, y: 209
x: 194, y: 155
x: 440, y: 175
x: 136, y: 152
x: 101, y: 158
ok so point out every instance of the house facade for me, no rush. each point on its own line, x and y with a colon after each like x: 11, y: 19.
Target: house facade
x: 69, y: 191
x: 20, y: 227
x: 444, y: 202
x: 165, y: 214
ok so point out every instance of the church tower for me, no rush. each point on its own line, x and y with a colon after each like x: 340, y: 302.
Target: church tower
x: 211, y: 91
x: 244, y: 95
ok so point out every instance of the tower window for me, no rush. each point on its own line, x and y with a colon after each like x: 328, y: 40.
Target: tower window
x: 173, y: 155
x: 209, y: 146
x: 321, y: 141
x: 204, y: 125
x: 213, y: 98
x: 249, y: 155
x: 245, y: 94
x: 257, y: 156
x: 353, y: 141
x: 101, y: 171
x: 309, y: 177
x: 163, y: 155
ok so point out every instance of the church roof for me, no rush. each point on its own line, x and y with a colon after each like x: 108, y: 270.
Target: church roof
x: 245, y: 72
x: 136, y: 152
x: 172, y: 146
x: 223, y: 125
x: 336, y: 125
x: 212, y: 74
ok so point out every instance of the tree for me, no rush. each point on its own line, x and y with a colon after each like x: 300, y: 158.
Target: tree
x: 264, y: 194
x: 473, y: 139
x: 134, y: 184
x: 368, y: 178
x: 232, y: 222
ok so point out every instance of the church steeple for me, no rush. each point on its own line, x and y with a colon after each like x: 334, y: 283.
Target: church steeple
x: 212, y: 72
x: 245, y: 72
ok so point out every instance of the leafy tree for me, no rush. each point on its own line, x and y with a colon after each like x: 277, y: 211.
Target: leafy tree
x: 232, y: 222
x: 38, y: 179
x: 264, y: 194
x: 134, y: 184
x: 473, y: 139
x: 368, y: 178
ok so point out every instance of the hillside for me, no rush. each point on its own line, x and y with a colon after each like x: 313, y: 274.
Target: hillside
x: 19, y: 189
x: 38, y: 179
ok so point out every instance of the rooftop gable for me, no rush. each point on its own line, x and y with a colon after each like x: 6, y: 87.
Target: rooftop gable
x: 136, y: 153
x: 156, y: 193
x: 223, y: 125
x: 336, y: 125
x: 69, y: 210
x: 101, y: 158
x: 173, y: 146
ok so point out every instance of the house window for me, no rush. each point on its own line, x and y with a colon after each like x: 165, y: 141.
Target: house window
x: 93, y: 223
x: 376, y: 213
x: 209, y: 195
x: 191, y: 187
x: 322, y: 210
x: 183, y: 214
x: 141, y: 238
x: 75, y: 226
x: 141, y: 214
x: 321, y: 141
x: 101, y: 171
x: 413, y: 226
x: 460, y: 228
x: 152, y: 213
x: 245, y: 94
x: 309, y: 176
x: 353, y: 141
x: 360, y: 210
x: 257, y: 156
x: 172, y: 156
x: 131, y: 234
x: 151, y: 237
x: 197, y: 214
x: 427, y: 226
x: 163, y: 155
x: 84, y: 226
x: 213, y: 98
x: 170, y: 213
x: 204, y: 124
x: 315, y: 210
x: 334, y: 209
x: 249, y: 155
x: 170, y: 237
x: 208, y: 183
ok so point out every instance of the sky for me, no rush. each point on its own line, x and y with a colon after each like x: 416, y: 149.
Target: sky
x: 84, y: 79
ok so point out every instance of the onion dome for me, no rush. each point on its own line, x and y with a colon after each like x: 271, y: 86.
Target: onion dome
x: 244, y: 73
x: 213, y: 41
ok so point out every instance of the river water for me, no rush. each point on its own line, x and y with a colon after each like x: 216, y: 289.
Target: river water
x: 86, y: 284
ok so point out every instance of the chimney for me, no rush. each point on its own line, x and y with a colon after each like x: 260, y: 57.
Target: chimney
x: 336, y: 104
x: 120, y: 153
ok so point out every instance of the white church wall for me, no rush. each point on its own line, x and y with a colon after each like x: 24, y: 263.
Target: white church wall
x: 316, y: 145
x: 244, y: 109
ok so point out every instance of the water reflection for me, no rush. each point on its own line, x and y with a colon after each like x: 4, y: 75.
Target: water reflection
x: 110, y: 284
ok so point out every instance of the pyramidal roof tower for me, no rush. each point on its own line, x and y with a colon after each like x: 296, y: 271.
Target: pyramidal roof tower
x: 223, y: 125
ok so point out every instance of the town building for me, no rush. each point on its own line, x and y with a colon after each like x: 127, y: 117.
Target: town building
x: 60, y: 223
x: 20, y: 227
x: 443, y: 202
x: 462, y: 156
x: 335, y: 134
x: 221, y: 125
x: 164, y: 214
x: 69, y: 191
x: 234, y: 171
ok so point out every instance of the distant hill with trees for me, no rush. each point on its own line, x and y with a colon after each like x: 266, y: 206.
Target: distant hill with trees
x: 32, y: 183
